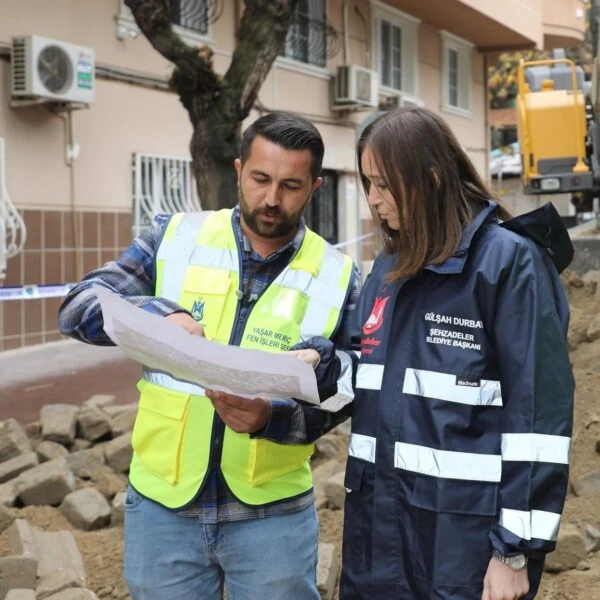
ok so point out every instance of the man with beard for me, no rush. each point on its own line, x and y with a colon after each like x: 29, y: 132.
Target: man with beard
x: 214, y: 501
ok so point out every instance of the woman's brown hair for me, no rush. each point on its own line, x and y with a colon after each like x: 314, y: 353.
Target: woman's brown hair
x: 435, y: 186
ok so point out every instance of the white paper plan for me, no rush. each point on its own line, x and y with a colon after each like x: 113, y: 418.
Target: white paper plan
x: 161, y: 345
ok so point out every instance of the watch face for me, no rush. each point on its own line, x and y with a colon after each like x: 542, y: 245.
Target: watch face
x: 516, y: 562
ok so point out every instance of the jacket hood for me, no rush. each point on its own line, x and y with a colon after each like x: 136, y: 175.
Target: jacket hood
x: 545, y: 227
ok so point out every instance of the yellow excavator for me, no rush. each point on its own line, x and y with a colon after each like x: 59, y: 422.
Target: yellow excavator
x: 558, y: 121
x: 556, y: 127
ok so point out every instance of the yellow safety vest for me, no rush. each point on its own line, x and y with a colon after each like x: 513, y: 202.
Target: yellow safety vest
x: 197, y: 266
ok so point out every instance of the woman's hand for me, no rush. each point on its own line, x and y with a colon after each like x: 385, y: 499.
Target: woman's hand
x: 308, y: 355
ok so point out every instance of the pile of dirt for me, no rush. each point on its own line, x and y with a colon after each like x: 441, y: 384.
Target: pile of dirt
x: 584, y: 298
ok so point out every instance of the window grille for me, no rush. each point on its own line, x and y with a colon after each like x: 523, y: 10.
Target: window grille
x: 307, y: 37
x: 161, y: 184
x: 13, y: 232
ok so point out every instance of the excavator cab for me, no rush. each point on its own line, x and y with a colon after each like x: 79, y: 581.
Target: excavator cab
x: 552, y: 125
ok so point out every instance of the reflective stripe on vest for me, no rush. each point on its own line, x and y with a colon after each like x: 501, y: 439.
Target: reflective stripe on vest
x: 199, y: 269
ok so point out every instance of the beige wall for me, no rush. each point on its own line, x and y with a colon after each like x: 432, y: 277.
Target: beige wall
x: 521, y: 16
x: 563, y: 23
x: 123, y: 119
x: 490, y: 24
x: 137, y: 119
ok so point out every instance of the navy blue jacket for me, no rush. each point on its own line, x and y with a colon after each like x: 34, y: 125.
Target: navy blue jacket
x: 462, y: 418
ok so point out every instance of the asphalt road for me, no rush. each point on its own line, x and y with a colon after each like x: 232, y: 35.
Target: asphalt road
x: 62, y: 372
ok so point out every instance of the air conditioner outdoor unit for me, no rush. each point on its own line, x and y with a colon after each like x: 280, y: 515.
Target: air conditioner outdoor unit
x: 354, y: 87
x: 47, y: 70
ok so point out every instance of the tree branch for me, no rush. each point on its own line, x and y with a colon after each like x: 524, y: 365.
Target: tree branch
x: 261, y: 36
x: 194, y: 65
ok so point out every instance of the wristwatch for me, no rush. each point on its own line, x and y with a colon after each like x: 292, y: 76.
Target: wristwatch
x: 517, y: 562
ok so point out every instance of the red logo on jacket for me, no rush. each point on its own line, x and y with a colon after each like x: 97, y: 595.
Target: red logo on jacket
x: 375, y: 320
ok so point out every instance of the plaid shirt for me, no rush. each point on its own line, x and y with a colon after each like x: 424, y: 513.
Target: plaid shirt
x: 132, y: 276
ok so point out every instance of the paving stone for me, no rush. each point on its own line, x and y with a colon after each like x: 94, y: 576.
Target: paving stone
x: 80, y: 444
x: 47, y: 483
x: 59, y: 422
x: 328, y: 568
x: 17, y: 572
x: 117, y: 409
x: 86, y: 508
x: 57, y: 582
x: 592, y: 539
x: 118, y: 453
x: 93, y: 422
x: 107, y: 482
x: 58, y: 550
x: 124, y: 421
x: 587, y: 484
x: 570, y: 550
x: 20, y: 595
x: 13, y: 440
x: 33, y: 430
x: 12, y: 467
x: 48, y: 450
x: 20, y: 539
x: 83, y: 462
x: 8, y: 493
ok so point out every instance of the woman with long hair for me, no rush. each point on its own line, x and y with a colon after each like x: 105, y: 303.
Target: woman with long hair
x: 461, y: 421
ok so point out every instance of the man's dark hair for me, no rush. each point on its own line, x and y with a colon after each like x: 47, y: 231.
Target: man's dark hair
x: 288, y: 131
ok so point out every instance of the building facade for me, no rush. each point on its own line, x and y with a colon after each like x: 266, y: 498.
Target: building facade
x: 80, y: 183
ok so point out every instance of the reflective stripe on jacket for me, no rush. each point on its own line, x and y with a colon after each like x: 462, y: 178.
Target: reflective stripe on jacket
x: 174, y: 438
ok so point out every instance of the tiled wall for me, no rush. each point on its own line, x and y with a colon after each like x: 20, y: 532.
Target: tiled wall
x: 49, y: 257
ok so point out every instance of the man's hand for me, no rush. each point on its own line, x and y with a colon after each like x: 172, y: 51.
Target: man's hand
x: 187, y: 322
x: 503, y: 583
x: 309, y: 356
x: 243, y: 415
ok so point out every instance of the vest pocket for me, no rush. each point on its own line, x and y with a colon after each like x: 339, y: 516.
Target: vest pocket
x: 159, y: 428
x: 204, y: 295
x: 269, y: 460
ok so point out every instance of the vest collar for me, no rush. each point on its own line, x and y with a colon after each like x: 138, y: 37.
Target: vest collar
x: 456, y: 263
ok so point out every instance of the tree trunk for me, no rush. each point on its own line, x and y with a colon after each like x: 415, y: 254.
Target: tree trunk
x: 212, y: 162
x: 218, y: 105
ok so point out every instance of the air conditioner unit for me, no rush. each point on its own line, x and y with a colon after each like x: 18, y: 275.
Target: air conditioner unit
x: 354, y: 87
x: 391, y: 101
x: 47, y: 70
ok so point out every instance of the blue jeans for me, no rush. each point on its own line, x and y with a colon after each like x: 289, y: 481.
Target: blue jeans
x: 171, y: 557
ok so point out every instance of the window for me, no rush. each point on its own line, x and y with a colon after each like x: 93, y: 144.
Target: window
x: 456, y: 74
x: 190, y: 14
x: 395, y: 38
x: 307, y: 36
x: 322, y: 214
x: 190, y: 19
x: 391, y: 55
x: 161, y: 184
